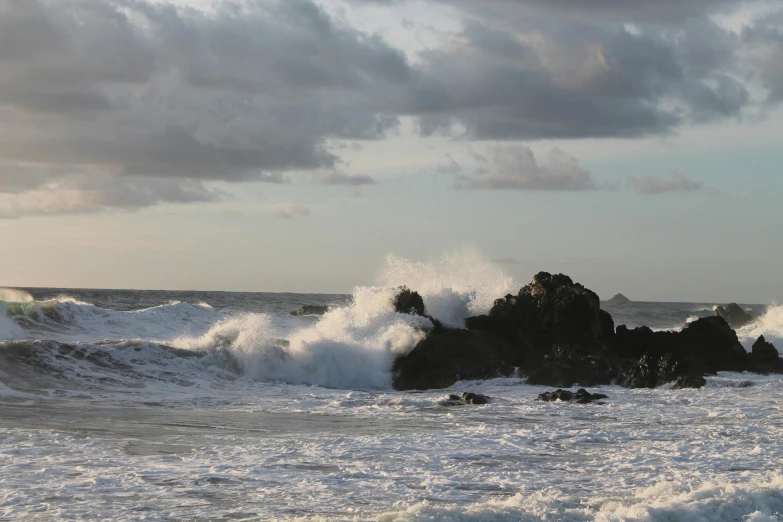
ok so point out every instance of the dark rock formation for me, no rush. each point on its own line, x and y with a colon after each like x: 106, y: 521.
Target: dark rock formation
x: 652, y: 370
x: 465, y: 399
x: 520, y: 331
x: 690, y: 381
x: 734, y: 314
x: 407, y: 301
x: 311, y: 310
x: 764, y: 357
x: 475, y: 398
x: 581, y: 396
x: 568, y: 365
x: 707, y: 345
x: 555, y: 332
x: 619, y: 299
x: 449, y: 355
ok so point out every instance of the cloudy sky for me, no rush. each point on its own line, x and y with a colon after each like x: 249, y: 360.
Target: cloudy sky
x: 290, y: 145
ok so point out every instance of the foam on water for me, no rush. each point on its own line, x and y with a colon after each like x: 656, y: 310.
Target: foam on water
x: 755, y: 501
x: 178, y: 412
x: 350, y: 348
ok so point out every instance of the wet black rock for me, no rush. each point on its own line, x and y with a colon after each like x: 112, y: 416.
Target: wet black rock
x: 311, y: 310
x: 651, y: 370
x: 764, y: 351
x: 707, y: 345
x: 552, y: 310
x: 465, y: 399
x: 448, y: 355
x: 453, y: 400
x: 475, y: 398
x: 690, y: 381
x: 568, y: 365
x: 554, y: 332
x: 734, y: 314
x: 764, y: 357
x: 407, y: 301
x: 710, y: 345
x: 581, y: 396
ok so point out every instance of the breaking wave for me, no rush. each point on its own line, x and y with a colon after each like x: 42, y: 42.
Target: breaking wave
x: 350, y: 347
x: 769, y: 324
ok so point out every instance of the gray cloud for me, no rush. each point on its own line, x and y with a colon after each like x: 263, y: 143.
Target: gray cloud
x: 292, y: 211
x: 658, y: 11
x: 516, y: 167
x: 676, y: 182
x: 250, y: 90
x: 83, y: 192
x: 506, y: 261
x: 247, y: 92
x: 764, y: 50
x: 355, y: 180
x: 449, y: 165
x: 523, y: 78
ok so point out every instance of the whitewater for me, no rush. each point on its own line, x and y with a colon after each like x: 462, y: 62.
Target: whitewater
x: 142, y: 405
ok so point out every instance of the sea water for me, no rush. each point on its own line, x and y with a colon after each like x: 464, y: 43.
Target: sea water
x: 156, y: 405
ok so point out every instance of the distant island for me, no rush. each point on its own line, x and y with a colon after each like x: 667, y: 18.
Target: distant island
x: 619, y: 299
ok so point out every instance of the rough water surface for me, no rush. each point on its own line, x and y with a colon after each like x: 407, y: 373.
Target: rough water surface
x: 134, y: 405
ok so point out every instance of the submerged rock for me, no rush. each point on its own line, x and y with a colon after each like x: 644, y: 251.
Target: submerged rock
x: 311, y: 310
x: 734, y: 314
x: 475, y: 398
x: 690, y: 381
x: 465, y: 399
x: 581, y: 396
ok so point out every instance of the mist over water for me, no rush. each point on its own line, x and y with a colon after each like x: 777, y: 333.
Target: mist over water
x: 217, y: 405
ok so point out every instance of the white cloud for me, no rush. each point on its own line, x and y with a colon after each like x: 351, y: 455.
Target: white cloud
x: 516, y: 167
x: 676, y: 182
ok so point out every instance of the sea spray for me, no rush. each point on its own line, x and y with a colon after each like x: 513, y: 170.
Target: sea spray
x: 458, y: 285
x: 12, y: 295
x: 354, y: 346
x: 769, y: 324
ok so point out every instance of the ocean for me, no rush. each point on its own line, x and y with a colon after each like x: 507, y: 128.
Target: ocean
x: 164, y: 405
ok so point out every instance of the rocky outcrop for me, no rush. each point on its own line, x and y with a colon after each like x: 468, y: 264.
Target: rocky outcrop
x: 619, y: 299
x: 581, y: 396
x: 555, y: 332
x: 568, y: 365
x: 764, y: 357
x: 311, y: 310
x: 734, y: 314
x: 690, y: 381
x: 651, y: 370
x: 520, y: 331
x: 449, y: 355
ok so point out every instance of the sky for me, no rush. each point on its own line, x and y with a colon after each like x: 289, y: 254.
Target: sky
x: 292, y: 145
